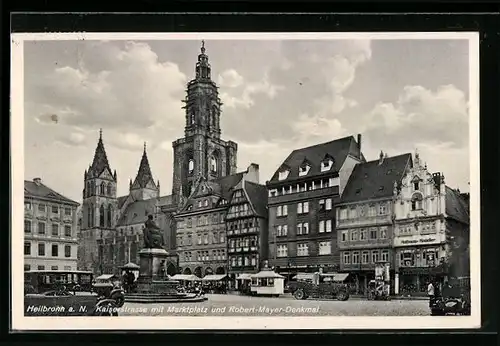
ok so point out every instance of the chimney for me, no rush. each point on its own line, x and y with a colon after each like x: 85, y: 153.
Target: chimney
x: 252, y: 173
x: 37, y: 181
x: 359, y: 142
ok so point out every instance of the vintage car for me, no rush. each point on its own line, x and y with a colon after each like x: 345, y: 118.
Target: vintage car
x: 322, y: 286
x: 69, y: 293
x: 454, y: 299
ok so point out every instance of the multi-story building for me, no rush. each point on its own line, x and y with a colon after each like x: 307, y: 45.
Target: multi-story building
x: 365, y: 217
x: 247, y: 229
x: 50, y: 228
x: 431, y: 225
x: 201, y: 228
x: 302, y: 197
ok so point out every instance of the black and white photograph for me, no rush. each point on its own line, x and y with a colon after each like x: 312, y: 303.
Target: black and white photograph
x: 193, y: 181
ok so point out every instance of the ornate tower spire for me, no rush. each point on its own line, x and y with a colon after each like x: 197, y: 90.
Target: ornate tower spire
x: 144, y: 174
x: 100, y: 161
x: 203, y: 68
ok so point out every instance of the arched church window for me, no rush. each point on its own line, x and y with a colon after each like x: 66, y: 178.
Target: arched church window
x: 416, y: 201
x: 89, y: 216
x: 108, y: 189
x: 213, y: 164
x: 191, y: 166
x: 103, y: 188
x: 87, y: 192
x: 214, y: 116
x: 191, y: 118
x: 110, y: 215
x: 101, y: 216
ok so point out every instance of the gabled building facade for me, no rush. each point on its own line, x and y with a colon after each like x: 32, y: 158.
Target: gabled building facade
x: 302, y: 194
x: 247, y: 229
x: 431, y: 228
x: 365, y: 217
x: 50, y: 228
x: 201, y: 228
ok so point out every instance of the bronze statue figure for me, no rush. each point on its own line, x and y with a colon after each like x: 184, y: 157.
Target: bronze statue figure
x: 153, y: 237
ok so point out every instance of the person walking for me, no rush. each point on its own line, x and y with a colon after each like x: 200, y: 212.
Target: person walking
x: 430, y: 293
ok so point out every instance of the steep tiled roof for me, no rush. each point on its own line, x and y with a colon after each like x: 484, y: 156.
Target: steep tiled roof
x: 121, y: 200
x: 165, y: 200
x: 228, y: 182
x: 144, y: 175
x: 258, y: 197
x: 100, y: 162
x: 371, y: 180
x: 456, y: 206
x: 314, y: 155
x: 137, y: 212
x: 34, y: 190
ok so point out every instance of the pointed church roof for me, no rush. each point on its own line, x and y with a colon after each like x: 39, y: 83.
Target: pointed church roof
x: 100, y: 162
x: 144, y: 174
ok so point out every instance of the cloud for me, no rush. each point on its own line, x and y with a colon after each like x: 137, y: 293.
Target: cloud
x: 245, y: 99
x: 72, y: 139
x: 230, y: 79
x: 421, y: 115
x: 137, y: 91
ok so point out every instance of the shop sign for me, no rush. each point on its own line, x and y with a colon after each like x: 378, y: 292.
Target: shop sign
x: 418, y: 240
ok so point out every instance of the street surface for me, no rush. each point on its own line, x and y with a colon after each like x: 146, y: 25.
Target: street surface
x: 236, y: 305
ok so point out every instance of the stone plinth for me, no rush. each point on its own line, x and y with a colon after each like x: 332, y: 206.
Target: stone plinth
x: 152, y: 273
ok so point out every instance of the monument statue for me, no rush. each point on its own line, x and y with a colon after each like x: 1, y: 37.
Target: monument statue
x: 153, y: 237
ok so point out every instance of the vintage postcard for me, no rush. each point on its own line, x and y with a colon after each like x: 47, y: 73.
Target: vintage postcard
x: 245, y: 181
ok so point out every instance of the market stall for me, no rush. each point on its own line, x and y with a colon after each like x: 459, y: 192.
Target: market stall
x: 267, y: 282
x: 215, y: 283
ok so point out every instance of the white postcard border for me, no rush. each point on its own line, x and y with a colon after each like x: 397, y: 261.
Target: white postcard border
x: 19, y: 322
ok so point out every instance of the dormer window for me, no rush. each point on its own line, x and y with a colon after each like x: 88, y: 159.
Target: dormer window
x: 416, y: 183
x: 304, y: 169
x: 283, y: 175
x: 416, y: 201
x: 190, y: 207
x: 326, y: 165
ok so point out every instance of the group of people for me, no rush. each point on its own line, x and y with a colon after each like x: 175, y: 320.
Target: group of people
x: 436, y: 290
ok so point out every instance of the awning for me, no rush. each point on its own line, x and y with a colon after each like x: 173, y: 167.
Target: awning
x: 214, y: 277
x: 106, y: 277
x: 267, y: 274
x: 185, y: 277
x: 303, y: 276
x: 244, y: 276
x: 130, y: 265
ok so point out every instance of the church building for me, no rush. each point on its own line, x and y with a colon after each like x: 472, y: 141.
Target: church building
x: 111, y: 226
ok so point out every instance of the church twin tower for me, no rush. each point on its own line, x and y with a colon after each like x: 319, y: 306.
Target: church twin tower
x: 200, y: 153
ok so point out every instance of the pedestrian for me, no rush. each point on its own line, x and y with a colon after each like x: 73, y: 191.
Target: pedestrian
x: 430, y: 293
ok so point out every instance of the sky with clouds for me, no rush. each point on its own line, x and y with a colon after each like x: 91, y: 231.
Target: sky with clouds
x: 278, y: 95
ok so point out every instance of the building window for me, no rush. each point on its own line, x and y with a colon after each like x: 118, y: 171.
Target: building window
x: 326, y: 165
x: 41, y: 208
x: 302, y: 249
x: 328, y: 226
x: 41, y: 267
x: 352, y: 213
x: 300, y: 210
x: 303, y: 208
x: 55, y: 209
x: 354, y: 235
x: 27, y: 248
x: 205, y: 203
x: 321, y: 227
x: 372, y: 211
x: 325, y: 248
x: 416, y: 185
x: 213, y: 164
x: 67, y: 231
x: 382, y: 209
x: 55, y: 250
x: 199, y: 204
x: 346, y: 258
x: 199, y: 239
x: 67, y: 267
x: 27, y: 267
x: 365, y: 257
x: 282, y: 231
x: 303, y: 228
x: 373, y: 233
x: 205, y: 238
x: 385, y: 255
x: 343, y: 213
x: 41, y: 228
x: 221, y: 237
x: 285, y: 210
x: 27, y: 226
x: 41, y: 249
x: 283, y: 175
x: 306, y: 207
x: 27, y: 205
x: 303, y: 170
x: 67, y: 211
x: 54, y: 268
x: 190, y: 166
x: 375, y: 256
x: 328, y: 204
x: 279, y: 211
x: 55, y: 230
x: 416, y: 202
x: 355, y: 257
x: 67, y: 251
x: 282, y: 251
x: 362, y: 234
x: 345, y: 235
x: 383, y: 233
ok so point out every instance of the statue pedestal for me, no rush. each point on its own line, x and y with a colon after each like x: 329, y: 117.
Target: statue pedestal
x: 152, y: 273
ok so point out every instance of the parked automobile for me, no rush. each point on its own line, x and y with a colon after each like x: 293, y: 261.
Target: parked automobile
x: 322, y: 285
x: 454, y: 299
x: 69, y: 293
